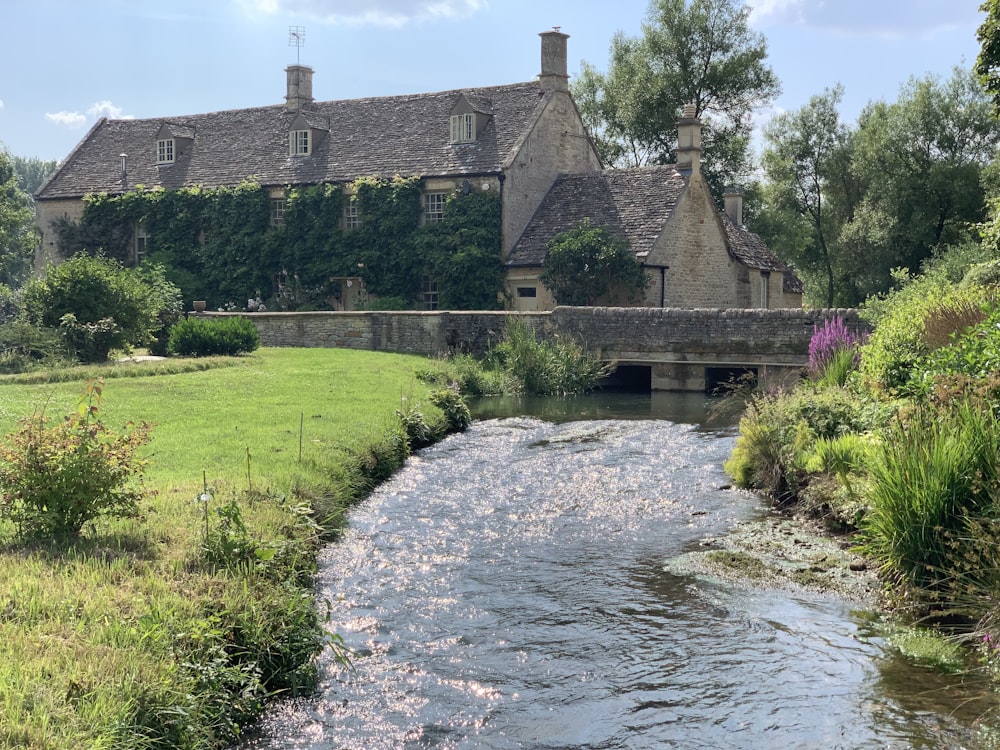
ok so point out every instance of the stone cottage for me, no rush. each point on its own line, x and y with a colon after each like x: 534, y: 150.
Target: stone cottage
x: 525, y: 141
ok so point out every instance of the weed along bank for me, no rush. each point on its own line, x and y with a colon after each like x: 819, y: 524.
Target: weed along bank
x: 671, y: 349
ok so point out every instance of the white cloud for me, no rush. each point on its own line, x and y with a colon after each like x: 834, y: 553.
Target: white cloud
x: 109, y: 110
x: 886, y: 18
x: 1, y: 103
x: 371, y: 12
x: 71, y: 120
x: 75, y: 120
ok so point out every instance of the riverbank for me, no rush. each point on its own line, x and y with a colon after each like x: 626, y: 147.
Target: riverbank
x: 172, y: 628
x: 788, y: 552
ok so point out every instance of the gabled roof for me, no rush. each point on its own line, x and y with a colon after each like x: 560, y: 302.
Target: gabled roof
x: 379, y: 136
x: 750, y: 248
x: 633, y: 204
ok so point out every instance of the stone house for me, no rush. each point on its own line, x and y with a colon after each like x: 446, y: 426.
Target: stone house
x: 525, y: 141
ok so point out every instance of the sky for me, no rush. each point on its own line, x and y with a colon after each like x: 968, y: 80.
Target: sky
x: 69, y: 62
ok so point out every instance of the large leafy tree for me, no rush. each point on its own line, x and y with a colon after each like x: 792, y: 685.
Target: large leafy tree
x: 987, y: 66
x: 587, y: 263
x: 810, y: 191
x: 849, y: 205
x: 701, y: 52
x: 31, y: 173
x: 920, y: 163
x: 18, y: 234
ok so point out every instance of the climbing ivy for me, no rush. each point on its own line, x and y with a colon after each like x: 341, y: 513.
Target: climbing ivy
x: 219, y: 245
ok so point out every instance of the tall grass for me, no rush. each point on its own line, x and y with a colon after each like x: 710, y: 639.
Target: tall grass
x: 553, y: 367
x: 133, y: 636
x: 935, y: 474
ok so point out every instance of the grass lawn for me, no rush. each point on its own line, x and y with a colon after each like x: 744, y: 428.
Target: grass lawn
x: 166, y: 630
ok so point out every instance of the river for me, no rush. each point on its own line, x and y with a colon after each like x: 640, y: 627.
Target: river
x: 507, y: 589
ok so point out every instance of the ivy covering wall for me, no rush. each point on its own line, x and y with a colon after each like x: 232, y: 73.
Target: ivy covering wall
x: 219, y: 245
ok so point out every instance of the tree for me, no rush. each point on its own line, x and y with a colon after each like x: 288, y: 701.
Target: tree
x: 920, y: 163
x: 31, y: 173
x: 700, y: 52
x: 849, y: 205
x: 97, y: 304
x: 811, y: 193
x: 987, y: 66
x: 18, y: 235
x: 587, y: 263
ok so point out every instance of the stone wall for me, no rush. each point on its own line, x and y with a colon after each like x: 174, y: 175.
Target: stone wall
x: 648, y: 334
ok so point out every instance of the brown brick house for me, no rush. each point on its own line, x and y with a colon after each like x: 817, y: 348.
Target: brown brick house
x: 525, y: 141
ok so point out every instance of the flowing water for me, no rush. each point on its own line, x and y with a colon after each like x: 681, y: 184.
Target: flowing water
x: 507, y: 590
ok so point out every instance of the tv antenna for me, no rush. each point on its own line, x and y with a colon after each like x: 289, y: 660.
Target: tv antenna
x: 297, y: 39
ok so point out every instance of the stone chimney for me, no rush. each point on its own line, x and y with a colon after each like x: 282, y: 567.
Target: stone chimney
x: 300, y: 87
x: 733, y: 197
x: 554, y: 76
x: 689, y: 140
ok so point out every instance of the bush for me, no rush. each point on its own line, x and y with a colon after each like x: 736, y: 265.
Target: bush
x: 57, y: 478
x: 925, y: 314
x: 203, y: 337
x: 778, y: 433
x: 110, y: 307
x: 166, y: 302
x: 935, y: 474
x: 25, y: 347
x: 546, y: 368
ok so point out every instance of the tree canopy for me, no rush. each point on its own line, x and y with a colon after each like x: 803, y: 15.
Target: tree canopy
x: 587, y: 263
x: 18, y: 234
x: 701, y: 52
x: 847, y: 205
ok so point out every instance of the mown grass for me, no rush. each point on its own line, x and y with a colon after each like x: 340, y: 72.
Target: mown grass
x: 129, y: 637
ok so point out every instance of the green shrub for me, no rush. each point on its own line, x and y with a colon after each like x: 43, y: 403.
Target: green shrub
x: 935, y: 472
x: 56, y: 478
x: 456, y: 411
x: 109, y: 307
x: 924, y: 315
x: 778, y: 432
x: 24, y: 347
x: 545, y: 368
x: 203, y: 337
x: 166, y: 302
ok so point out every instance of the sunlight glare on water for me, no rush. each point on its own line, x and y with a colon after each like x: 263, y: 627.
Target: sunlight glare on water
x: 507, y: 589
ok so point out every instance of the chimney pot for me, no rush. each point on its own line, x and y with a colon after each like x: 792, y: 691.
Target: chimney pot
x: 299, y: 87
x: 689, y: 140
x: 554, y: 76
x: 733, y: 198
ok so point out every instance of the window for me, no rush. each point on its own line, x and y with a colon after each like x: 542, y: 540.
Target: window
x: 277, y: 212
x: 429, y: 292
x: 463, y: 128
x: 165, y: 151
x: 765, y: 280
x: 527, y: 291
x: 434, y: 207
x: 299, y: 143
x: 139, y: 251
x: 352, y: 219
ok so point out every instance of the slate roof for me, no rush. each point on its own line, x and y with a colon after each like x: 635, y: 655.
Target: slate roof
x: 633, y: 204
x: 378, y: 136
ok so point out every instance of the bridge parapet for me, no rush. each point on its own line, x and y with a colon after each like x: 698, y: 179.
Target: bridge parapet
x: 677, y: 344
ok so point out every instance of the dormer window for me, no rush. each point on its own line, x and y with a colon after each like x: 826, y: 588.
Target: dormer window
x: 463, y: 128
x: 299, y: 143
x: 165, y: 151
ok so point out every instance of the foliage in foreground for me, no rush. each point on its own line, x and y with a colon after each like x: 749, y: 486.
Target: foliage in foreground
x: 172, y: 628
x: 56, y: 478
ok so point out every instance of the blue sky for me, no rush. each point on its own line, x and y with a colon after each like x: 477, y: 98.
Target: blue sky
x: 69, y: 62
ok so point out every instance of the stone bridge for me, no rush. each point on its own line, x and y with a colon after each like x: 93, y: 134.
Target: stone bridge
x: 658, y: 348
